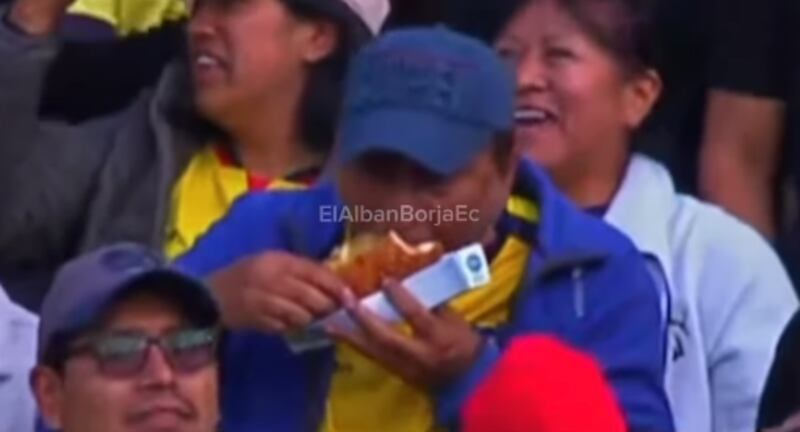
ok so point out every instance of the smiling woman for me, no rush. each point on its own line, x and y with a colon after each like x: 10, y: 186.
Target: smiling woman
x: 584, y: 88
x: 586, y: 82
x: 253, y: 107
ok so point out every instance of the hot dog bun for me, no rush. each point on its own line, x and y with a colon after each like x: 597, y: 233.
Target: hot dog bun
x: 366, y: 260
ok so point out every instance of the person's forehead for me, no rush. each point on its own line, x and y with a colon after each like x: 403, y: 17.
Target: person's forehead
x: 552, y: 21
x: 145, y: 310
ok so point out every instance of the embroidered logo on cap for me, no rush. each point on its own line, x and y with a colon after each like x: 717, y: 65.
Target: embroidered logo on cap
x: 128, y: 261
x: 414, y: 80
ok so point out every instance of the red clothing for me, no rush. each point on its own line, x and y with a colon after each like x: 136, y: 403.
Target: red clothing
x: 541, y: 385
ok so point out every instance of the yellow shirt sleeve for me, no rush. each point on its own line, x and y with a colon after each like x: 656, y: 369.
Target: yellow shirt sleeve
x: 131, y: 16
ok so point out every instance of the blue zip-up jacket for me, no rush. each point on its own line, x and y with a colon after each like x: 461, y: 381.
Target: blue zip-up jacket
x: 585, y: 284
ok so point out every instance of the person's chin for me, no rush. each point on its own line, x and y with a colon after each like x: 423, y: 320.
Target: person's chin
x: 210, y: 103
x: 546, y: 156
x: 163, y: 422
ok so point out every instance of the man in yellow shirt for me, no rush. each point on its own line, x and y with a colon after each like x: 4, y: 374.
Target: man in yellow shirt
x: 425, y: 128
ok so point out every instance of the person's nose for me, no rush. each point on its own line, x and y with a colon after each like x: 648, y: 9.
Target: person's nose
x: 158, y: 372
x: 202, y: 23
x: 531, y: 73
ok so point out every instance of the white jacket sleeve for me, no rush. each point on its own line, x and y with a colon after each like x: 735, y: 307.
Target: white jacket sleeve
x: 746, y: 300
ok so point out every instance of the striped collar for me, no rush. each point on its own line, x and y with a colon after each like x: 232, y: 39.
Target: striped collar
x: 561, y: 235
x: 257, y: 182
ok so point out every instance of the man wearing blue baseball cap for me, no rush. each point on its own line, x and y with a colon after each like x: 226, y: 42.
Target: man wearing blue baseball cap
x: 426, y: 127
x: 127, y: 343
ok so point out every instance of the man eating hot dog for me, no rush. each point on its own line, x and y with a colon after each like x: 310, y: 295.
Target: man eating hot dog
x: 426, y: 126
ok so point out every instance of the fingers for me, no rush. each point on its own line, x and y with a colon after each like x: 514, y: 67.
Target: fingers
x: 382, y: 335
x: 446, y: 313
x: 420, y: 319
x: 270, y: 325
x: 321, y: 277
x: 285, y: 312
x: 310, y: 298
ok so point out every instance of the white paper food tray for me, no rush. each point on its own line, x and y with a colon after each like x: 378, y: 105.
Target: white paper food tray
x: 455, y: 273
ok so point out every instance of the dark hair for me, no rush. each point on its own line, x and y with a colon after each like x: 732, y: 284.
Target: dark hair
x: 323, y: 93
x: 502, y: 149
x: 623, y: 27
x: 322, y: 96
x: 57, y: 350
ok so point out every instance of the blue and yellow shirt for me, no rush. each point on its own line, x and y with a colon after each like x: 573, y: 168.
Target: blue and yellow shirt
x: 366, y: 397
x: 208, y: 187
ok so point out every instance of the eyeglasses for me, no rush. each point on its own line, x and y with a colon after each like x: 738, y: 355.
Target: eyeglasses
x: 124, y: 354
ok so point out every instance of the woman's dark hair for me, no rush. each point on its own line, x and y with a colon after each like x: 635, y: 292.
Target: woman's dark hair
x: 623, y: 27
x: 322, y: 96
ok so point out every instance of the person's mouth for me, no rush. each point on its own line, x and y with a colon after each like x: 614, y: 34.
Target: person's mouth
x: 162, y: 413
x: 207, y: 65
x: 532, y: 116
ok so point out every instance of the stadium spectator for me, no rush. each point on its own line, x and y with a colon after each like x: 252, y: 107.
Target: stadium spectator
x: 260, y: 113
x: 112, y: 51
x: 586, y: 85
x: 17, y: 357
x: 542, y: 385
x: 127, y: 344
x: 427, y: 126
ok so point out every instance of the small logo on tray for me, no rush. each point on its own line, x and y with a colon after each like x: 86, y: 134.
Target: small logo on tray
x: 474, y: 263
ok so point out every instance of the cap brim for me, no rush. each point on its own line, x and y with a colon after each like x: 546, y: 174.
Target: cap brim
x: 440, y: 144
x: 190, y: 295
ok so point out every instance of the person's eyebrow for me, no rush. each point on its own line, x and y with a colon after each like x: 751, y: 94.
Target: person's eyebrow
x: 132, y: 330
x: 513, y: 38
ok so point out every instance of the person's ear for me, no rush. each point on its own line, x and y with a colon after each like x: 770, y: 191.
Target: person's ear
x: 641, y: 94
x: 48, y: 389
x: 319, y: 40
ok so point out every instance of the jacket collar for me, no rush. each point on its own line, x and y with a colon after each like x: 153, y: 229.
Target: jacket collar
x: 561, y: 237
x: 643, y: 207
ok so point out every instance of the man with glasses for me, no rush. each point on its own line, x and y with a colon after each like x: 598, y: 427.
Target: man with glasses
x: 127, y: 344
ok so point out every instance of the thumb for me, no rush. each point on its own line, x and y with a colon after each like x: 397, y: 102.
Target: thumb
x: 447, y: 313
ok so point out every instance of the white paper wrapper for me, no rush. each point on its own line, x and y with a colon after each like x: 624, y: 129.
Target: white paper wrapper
x: 454, y: 274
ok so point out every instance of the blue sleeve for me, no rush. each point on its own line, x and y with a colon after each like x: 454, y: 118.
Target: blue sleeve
x: 249, y: 227
x: 622, y: 328
x: 291, y: 221
x: 611, y: 312
x: 450, y: 399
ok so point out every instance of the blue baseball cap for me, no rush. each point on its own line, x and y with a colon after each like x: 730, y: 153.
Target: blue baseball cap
x: 85, y: 288
x: 432, y: 95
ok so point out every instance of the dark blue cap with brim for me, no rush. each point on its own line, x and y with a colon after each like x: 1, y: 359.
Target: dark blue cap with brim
x: 432, y: 95
x: 85, y: 288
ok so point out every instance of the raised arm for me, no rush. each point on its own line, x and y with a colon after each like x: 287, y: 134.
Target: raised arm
x: 47, y: 170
